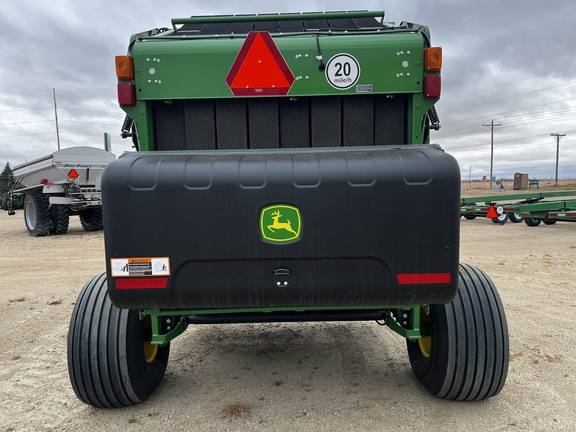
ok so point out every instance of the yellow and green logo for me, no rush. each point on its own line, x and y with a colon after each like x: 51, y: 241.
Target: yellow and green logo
x: 280, y: 223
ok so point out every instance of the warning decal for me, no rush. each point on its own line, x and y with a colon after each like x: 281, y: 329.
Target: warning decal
x: 120, y: 267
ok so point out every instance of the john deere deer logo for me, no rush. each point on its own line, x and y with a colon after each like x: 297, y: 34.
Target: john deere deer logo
x: 280, y: 223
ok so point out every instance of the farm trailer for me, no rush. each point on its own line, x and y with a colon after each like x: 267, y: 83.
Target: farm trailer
x: 66, y: 182
x: 532, y: 208
x: 278, y: 155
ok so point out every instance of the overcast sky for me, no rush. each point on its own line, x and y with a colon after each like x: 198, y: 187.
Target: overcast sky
x: 511, y: 61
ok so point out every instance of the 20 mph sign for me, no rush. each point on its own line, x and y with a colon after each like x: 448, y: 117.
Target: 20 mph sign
x: 342, y: 71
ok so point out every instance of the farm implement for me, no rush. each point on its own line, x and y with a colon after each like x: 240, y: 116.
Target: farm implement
x: 279, y: 157
x: 59, y: 185
x: 532, y: 208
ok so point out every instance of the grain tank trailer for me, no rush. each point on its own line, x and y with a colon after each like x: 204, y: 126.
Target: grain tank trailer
x: 61, y: 184
x: 279, y: 159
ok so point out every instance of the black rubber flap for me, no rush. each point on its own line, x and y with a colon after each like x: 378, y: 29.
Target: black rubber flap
x: 352, y: 227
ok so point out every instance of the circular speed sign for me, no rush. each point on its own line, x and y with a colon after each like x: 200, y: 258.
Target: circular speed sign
x: 342, y: 71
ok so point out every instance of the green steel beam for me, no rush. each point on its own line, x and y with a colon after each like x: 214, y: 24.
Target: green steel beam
x: 515, y: 197
x: 543, y: 206
x: 414, y: 329
x: 179, y: 312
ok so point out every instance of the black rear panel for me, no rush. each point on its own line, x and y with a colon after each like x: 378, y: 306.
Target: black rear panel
x: 362, y: 227
x: 268, y: 123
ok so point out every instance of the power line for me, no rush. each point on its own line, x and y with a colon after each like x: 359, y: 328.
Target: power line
x: 509, y: 97
x: 510, y: 83
x: 519, y: 109
x: 26, y: 109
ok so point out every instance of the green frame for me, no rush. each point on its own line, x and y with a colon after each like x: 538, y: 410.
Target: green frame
x: 414, y: 328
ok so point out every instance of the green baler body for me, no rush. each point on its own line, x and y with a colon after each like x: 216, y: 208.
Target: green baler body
x: 213, y: 149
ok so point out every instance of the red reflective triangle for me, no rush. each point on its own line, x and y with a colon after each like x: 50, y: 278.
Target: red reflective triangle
x: 492, y: 213
x: 73, y: 173
x: 259, y: 68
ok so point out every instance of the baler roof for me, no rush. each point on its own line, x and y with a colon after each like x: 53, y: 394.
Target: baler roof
x: 286, y: 23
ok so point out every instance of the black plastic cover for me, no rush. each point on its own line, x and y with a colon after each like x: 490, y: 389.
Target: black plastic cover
x: 308, y: 228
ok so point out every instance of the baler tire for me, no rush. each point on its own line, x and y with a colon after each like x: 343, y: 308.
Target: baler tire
x: 501, y: 219
x: 531, y: 222
x: 467, y: 355
x: 60, y: 219
x: 549, y: 221
x: 515, y: 217
x: 37, y: 214
x: 109, y: 360
x: 91, y: 219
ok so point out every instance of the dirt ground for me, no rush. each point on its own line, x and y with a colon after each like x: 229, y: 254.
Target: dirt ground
x: 285, y: 377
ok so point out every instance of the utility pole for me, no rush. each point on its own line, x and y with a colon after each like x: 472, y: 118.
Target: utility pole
x: 492, y: 126
x: 558, y: 136
x: 56, y: 118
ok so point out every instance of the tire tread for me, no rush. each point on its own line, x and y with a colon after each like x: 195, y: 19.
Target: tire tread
x: 102, y: 352
x: 470, y: 348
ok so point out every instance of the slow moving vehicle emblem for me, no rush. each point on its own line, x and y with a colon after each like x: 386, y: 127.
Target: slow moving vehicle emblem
x: 280, y: 223
x: 259, y: 68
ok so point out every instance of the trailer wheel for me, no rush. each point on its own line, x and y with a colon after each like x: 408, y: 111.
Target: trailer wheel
x: 111, y: 362
x: 466, y: 356
x: 501, y: 219
x: 91, y: 219
x: 60, y: 219
x: 37, y: 214
x: 515, y: 217
x: 532, y: 222
x: 549, y: 221
x: 470, y: 216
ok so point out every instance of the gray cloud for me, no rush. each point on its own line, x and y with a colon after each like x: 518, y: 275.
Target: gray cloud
x: 510, y: 61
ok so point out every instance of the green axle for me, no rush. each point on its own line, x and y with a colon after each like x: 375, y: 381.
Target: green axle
x: 169, y: 324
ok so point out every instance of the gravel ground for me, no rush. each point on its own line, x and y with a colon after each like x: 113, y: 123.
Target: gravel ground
x: 285, y: 377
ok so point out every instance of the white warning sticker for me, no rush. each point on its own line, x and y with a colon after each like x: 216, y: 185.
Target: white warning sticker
x: 140, y: 266
x: 342, y: 71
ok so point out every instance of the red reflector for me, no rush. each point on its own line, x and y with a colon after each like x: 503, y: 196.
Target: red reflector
x: 492, y: 213
x: 73, y: 173
x: 432, y: 86
x: 142, y: 283
x: 259, y: 68
x: 126, y: 94
x: 423, y: 278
